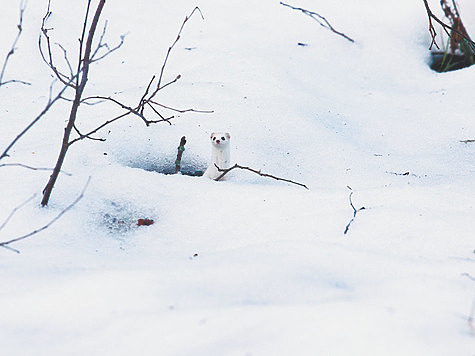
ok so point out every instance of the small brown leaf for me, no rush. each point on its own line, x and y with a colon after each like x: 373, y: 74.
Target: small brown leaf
x: 145, y: 222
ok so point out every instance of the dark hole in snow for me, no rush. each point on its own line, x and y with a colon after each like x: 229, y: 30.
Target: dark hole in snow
x: 193, y: 166
x: 446, y: 62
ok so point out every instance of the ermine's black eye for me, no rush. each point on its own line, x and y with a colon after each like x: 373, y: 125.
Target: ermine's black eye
x: 222, y: 138
x: 214, y: 138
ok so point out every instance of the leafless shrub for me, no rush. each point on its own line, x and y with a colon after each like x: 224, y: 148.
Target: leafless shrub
x: 76, y: 78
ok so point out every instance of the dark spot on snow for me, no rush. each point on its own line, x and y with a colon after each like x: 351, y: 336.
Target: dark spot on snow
x: 446, y: 62
x: 121, y: 217
x: 190, y: 166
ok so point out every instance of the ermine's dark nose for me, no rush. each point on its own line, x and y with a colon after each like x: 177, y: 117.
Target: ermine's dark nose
x: 217, y: 141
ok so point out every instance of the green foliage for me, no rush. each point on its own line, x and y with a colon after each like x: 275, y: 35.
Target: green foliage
x: 451, y: 61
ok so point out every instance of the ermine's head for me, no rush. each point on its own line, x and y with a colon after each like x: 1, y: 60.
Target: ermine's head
x: 220, y: 139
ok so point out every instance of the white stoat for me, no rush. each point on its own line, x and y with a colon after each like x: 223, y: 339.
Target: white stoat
x: 220, y: 154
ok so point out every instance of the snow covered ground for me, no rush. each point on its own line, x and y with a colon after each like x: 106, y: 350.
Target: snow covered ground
x: 247, y: 266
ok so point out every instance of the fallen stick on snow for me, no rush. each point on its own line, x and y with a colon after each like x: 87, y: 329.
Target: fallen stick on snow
x: 226, y: 171
x: 320, y: 19
x: 355, y: 211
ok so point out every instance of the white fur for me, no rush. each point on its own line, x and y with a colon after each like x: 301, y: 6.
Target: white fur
x: 220, y: 154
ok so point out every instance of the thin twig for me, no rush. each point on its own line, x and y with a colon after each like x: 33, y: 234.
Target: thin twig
x: 123, y: 106
x: 320, y: 19
x: 44, y: 227
x: 30, y: 167
x: 355, y: 211
x: 146, y: 98
x: 50, y: 103
x: 471, y: 317
x: 226, y: 171
x: 81, y: 61
x: 15, y: 210
x: 105, y: 45
x: 159, y: 86
x: 142, y: 99
x: 448, y: 29
x: 162, y: 118
x: 82, y: 136
x: 13, y: 48
x: 181, y: 111
x: 66, y: 59
x: 99, y: 128
x: 48, y: 59
x: 173, y: 45
x: 106, y: 123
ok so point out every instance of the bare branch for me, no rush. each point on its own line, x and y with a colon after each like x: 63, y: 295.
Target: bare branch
x: 355, y: 211
x: 146, y: 99
x: 196, y: 9
x: 88, y: 55
x: 123, y: 106
x: 162, y: 118
x: 15, y: 81
x: 49, y: 58
x: 226, y: 171
x: 320, y: 19
x: 99, y: 128
x: 66, y: 59
x: 15, y: 210
x: 106, y: 46
x: 162, y: 70
x: 81, y: 43
x: 83, y: 69
x: 30, y: 167
x: 82, y: 136
x: 130, y: 110
x: 170, y: 82
x: 50, y: 103
x: 142, y: 100
x: 182, y: 110
x: 456, y: 30
x: 44, y: 227
x: 13, y: 48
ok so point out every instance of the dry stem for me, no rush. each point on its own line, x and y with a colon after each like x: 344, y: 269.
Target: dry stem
x: 457, y: 31
x: 355, y: 211
x: 226, y: 171
x: 13, y: 48
x: 320, y: 19
x: 6, y: 244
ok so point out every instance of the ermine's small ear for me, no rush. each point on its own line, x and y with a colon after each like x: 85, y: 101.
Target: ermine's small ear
x: 212, y: 134
x: 228, y: 136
